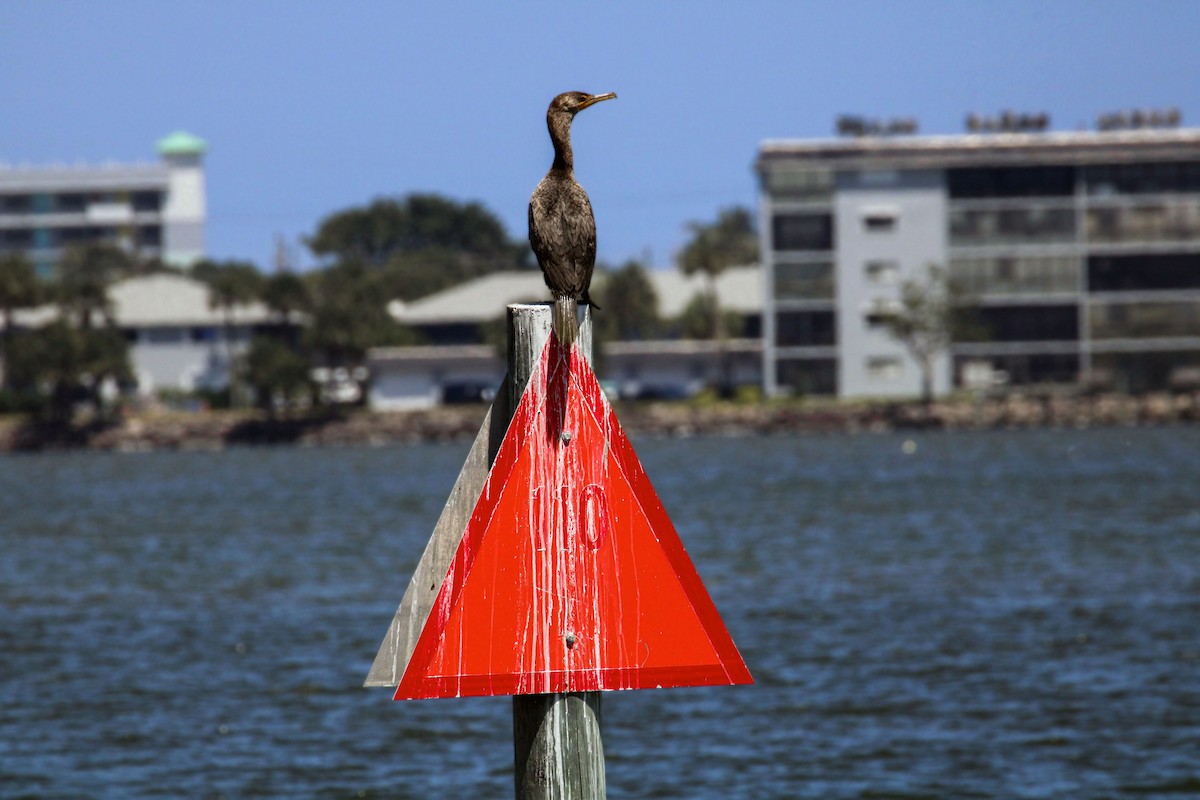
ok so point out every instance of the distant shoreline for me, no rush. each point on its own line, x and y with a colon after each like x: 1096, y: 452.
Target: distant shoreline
x: 219, y: 429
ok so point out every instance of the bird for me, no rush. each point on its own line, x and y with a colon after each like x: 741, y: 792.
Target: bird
x: 562, y: 227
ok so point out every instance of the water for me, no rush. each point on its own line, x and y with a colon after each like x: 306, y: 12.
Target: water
x: 969, y: 615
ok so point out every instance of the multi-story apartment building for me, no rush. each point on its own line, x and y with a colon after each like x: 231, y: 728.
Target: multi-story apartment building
x: 1081, y: 251
x: 155, y: 210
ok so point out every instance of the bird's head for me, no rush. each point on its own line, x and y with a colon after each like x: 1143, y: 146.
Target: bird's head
x: 571, y: 103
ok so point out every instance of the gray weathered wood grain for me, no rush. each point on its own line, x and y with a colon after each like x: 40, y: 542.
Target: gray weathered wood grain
x: 557, y: 747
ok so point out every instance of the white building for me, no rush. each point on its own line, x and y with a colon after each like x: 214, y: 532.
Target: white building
x: 155, y: 210
x: 1081, y: 249
x: 177, y: 341
x: 458, y: 368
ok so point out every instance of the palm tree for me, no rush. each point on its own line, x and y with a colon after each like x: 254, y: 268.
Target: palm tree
x: 230, y: 284
x: 730, y: 241
x: 19, y: 288
x: 84, y: 275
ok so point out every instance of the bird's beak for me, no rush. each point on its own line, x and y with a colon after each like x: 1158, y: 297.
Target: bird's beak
x: 596, y: 98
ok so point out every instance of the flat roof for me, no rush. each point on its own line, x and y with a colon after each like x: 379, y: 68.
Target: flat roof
x: 485, y: 298
x: 83, y: 177
x: 984, y: 149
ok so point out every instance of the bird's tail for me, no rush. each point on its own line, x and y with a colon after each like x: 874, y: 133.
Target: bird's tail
x: 566, y: 323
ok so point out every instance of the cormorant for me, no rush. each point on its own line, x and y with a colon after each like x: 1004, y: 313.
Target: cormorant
x: 562, y: 229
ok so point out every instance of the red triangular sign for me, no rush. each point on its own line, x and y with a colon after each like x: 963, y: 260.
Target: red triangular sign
x: 569, y: 576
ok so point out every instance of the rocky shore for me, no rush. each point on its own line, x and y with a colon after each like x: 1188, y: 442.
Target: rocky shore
x: 215, y: 430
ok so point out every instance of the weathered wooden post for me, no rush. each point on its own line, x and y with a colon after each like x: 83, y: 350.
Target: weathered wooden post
x: 558, y: 752
x: 553, y: 573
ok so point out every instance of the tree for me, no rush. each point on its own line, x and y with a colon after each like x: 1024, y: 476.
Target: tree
x: 19, y: 288
x: 285, y: 293
x: 84, y: 276
x: 630, y: 305
x: 84, y: 350
x: 70, y: 364
x: 424, y: 242
x: 698, y: 319
x: 275, y: 372
x: 714, y: 247
x: 230, y: 284
x: 349, y: 316
x: 932, y: 313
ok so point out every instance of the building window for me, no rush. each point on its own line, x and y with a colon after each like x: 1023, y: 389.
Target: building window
x: 203, y: 334
x: 1150, y: 320
x: 149, y: 236
x: 884, y: 368
x: 802, y: 232
x: 1038, y: 225
x: 147, y: 201
x: 16, y: 239
x: 1049, y: 323
x: 805, y: 328
x: 808, y: 281
x: 986, y: 183
x: 1021, y: 369
x: 807, y: 375
x: 883, y: 273
x: 806, y: 184
x: 1144, y: 272
x: 1149, y: 222
x: 70, y: 203
x: 1143, y: 178
x: 879, y: 220
x: 16, y: 204
x: 1007, y: 275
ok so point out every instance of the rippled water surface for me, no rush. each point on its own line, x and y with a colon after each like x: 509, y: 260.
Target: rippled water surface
x: 986, y: 615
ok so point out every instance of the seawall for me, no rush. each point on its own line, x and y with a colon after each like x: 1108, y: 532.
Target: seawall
x: 215, y: 430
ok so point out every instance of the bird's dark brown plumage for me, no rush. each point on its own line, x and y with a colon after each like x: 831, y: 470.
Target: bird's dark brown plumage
x: 562, y: 228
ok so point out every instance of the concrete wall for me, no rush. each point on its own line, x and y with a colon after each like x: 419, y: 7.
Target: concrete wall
x: 872, y: 260
x: 170, y: 358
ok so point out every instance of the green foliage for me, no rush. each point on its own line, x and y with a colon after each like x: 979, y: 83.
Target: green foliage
x: 286, y: 293
x: 350, y: 315
x: 69, y: 364
x: 423, y: 242
x: 699, y: 320
x: 19, y: 288
x: 629, y: 305
x: 84, y: 275
x: 730, y: 241
x: 932, y: 313
x: 230, y: 283
x: 275, y: 372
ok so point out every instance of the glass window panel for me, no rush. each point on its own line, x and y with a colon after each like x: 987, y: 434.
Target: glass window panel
x: 1146, y: 320
x: 802, y: 231
x: 1016, y: 275
x: 1039, y: 225
x: 1144, y: 272
x: 1028, y: 323
x: 989, y: 182
x: 807, y: 375
x: 811, y: 281
x: 809, y: 184
x: 1151, y: 222
x: 805, y: 328
x: 1151, y: 178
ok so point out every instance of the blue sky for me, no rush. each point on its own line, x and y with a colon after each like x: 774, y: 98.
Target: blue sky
x: 310, y: 107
